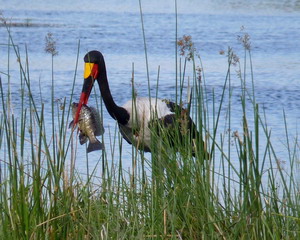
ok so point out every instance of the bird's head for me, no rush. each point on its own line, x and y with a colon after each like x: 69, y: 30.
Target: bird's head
x: 94, y: 66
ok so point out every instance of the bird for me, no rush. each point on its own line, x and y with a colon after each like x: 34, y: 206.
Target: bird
x: 139, y: 115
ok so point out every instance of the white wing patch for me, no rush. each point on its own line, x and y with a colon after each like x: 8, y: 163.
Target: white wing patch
x: 142, y: 111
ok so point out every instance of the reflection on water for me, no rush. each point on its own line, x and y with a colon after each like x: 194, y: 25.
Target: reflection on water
x: 115, y: 29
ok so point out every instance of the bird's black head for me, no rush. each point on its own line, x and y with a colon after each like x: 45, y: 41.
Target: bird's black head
x: 94, y: 68
x: 94, y: 57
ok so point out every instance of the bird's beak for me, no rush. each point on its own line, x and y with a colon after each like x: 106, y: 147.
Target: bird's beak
x: 90, y: 74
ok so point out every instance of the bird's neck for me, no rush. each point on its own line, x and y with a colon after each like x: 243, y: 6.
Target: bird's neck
x: 116, y: 112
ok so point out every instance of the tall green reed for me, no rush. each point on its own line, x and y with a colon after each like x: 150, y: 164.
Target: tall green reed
x: 241, y: 192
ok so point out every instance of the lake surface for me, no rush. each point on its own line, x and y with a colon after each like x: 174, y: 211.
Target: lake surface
x: 114, y: 28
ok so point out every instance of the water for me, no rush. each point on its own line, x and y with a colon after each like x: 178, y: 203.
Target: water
x: 114, y: 28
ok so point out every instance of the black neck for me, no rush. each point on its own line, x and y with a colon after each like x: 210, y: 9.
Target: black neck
x: 116, y: 112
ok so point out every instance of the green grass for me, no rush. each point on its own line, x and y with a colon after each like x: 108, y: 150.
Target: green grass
x: 241, y: 193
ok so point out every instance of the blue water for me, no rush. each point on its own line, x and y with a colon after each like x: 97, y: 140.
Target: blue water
x: 114, y: 28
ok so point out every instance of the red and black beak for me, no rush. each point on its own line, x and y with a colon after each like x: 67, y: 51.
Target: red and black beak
x: 90, y: 74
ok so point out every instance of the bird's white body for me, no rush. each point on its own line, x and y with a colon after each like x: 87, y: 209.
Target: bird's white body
x: 142, y: 110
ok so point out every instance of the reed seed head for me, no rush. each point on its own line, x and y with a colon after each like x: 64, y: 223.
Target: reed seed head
x: 244, y: 39
x: 2, y: 18
x: 50, y: 46
x: 186, y: 47
x: 198, y: 73
x: 232, y: 57
x: 222, y: 52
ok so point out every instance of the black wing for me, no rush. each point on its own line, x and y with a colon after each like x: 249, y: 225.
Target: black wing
x: 179, y: 124
x: 180, y: 118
